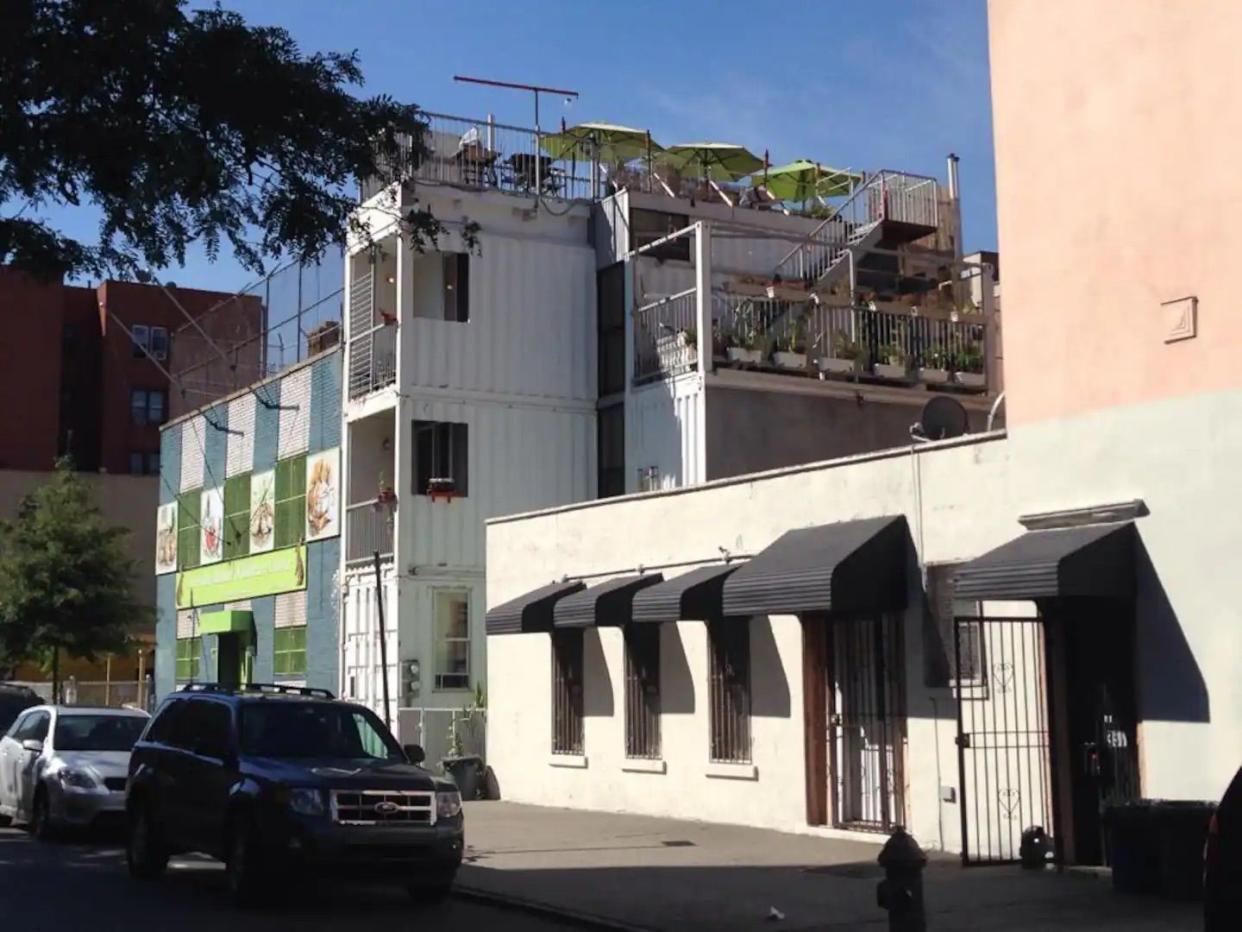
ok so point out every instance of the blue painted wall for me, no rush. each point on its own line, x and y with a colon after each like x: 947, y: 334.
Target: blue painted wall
x: 322, y: 614
x: 264, y: 620
x: 266, y: 427
x: 170, y: 463
x: 165, y: 629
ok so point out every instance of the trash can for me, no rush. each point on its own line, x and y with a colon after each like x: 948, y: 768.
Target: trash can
x: 1133, y: 846
x: 466, y: 772
x: 1181, y: 831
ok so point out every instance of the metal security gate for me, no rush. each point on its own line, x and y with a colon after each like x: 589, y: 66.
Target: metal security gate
x: 1002, y: 735
x: 866, y: 723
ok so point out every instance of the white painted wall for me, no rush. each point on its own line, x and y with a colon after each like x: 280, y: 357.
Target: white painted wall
x: 664, y: 424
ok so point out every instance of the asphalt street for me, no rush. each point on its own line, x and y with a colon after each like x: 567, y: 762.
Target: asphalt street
x: 81, y: 883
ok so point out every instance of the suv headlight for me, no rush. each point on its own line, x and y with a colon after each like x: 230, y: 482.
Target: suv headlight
x: 79, y: 779
x: 306, y: 801
x: 448, y: 804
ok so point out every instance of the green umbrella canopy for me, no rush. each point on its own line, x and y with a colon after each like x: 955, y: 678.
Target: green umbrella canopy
x: 803, y: 179
x: 712, y: 159
x: 615, y: 144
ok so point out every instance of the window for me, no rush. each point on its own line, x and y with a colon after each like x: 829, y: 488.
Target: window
x: 610, y: 441
x: 441, y: 457
x: 97, y: 732
x: 567, y: 691
x: 148, y: 406
x: 137, y: 462
x: 314, y: 730
x: 942, y: 664
x: 452, y: 639
x: 290, y: 501
x: 729, y: 689
x: 153, y: 464
x: 34, y: 727
x: 204, y: 727
x: 457, y: 286
x: 163, y: 725
x: 153, y: 340
x: 610, y: 298
x: 642, y: 690
x: 647, y: 226
x: 188, y: 505
x: 144, y: 464
x: 189, y: 653
x: 236, y: 516
x: 289, y: 651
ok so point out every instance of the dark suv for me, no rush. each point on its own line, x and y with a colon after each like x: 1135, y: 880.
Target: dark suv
x: 271, y: 778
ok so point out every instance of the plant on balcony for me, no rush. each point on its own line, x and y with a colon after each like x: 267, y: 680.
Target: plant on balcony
x: 968, y: 367
x: 893, y: 363
x: 843, y: 356
x: 790, y: 350
x: 935, y: 366
x: 743, y: 342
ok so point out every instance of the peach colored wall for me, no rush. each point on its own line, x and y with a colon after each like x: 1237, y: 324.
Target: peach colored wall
x: 1118, y: 157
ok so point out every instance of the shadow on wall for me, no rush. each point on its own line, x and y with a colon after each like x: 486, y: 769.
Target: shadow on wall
x: 676, y: 680
x: 597, y: 681
x: 769, y: 690
x: 1170, y: 683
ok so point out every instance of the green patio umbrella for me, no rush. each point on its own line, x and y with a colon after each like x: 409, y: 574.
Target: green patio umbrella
x: 614, y: 144
x: 713, y: 160
x: 803, y: 179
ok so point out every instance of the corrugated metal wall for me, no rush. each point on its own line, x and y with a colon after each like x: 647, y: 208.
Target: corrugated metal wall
x: 663, y: 422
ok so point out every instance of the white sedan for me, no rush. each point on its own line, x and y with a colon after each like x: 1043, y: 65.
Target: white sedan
x: 66, y: 765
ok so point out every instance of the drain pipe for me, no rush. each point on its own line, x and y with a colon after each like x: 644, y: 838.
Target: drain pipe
x: 992, y: 413
x: 955, y: 199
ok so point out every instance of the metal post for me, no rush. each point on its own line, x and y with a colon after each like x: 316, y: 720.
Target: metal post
x: 383, y: 639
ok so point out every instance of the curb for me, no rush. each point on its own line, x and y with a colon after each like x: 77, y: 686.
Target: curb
x: 537, y: 908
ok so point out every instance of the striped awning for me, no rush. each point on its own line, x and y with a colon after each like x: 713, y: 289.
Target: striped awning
x: 695, y: 595
x: 1095, y: 561
x: 530, y: 612
x: 609, y: 603
x: 852, y: 566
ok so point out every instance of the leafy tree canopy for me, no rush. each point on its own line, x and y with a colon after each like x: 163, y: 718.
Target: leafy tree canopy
x: 66, y: 583
x: 181, y: 126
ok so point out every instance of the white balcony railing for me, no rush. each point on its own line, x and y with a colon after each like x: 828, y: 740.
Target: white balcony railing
x: 665, y: 337
x: 368, y: 530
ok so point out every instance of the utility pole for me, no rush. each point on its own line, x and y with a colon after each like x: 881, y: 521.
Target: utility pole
x: 383, y: 639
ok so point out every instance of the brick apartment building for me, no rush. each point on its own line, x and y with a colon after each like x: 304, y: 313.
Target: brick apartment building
x: 76, y: 382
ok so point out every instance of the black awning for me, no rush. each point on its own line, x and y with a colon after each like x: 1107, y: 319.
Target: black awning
x: 532, y: 611
x: 853, y: 566
x: 1094, y: 561
x: 609, y: 603
x: 695, y: 595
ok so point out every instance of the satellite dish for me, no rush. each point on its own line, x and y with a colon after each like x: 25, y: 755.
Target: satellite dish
x: 943, y: 418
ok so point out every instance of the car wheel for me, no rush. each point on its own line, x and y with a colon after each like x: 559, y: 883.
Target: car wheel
x: 244, y: 864
x: 41, y: 825
x: 144, y: 853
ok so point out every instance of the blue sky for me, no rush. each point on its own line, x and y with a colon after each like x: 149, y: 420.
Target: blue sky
x: 852, y: 83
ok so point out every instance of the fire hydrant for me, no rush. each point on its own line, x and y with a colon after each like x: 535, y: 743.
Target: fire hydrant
x: 901, y: 890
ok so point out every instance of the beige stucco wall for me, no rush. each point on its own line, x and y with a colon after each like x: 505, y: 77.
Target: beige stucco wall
x: 960, y: 502
x: 1118, y: 134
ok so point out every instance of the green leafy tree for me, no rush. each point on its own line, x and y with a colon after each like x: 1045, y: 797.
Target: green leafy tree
x: 66, y: 582
x: 179, y: 127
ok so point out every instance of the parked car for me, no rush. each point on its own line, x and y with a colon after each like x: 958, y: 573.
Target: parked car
x: 1222, y: 862
x: 66, y: 766
x: 275, y: 779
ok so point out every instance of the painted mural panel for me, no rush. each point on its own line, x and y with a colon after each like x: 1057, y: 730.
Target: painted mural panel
x: 262, y: 511
x: 166, y: 538
x: 211, y: 524
x: 323, y: 478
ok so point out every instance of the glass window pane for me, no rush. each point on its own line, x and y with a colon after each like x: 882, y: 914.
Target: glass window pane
x: 155, y: 407
x: 159, y: 342
x: 138, y: 406
x: 141, y: 338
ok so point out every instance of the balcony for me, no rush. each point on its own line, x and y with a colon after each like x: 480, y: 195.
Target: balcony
x: 665, y: 341
x: 368, y: 531
x: 372, y: 350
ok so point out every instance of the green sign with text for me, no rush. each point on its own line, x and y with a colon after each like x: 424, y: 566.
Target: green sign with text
x: 246, y: 578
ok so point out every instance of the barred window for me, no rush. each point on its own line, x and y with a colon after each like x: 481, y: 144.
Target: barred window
x: 642, y: 690
x: 189, y: 652
x: 729, y: 689
x: 567, y: 691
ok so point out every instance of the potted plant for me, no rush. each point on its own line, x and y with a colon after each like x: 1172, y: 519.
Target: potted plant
x: 935, y: 367
x: 892, y: 362
x: 466, y: 770
x: 744, y: 342
x: 968, y: 368
x: 790, y: 350
x: 842, y: 356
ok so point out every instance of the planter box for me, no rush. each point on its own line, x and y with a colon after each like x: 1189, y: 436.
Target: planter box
x: 888, y: 371
x: 747, y: 356
x: 837, y: 366
x: 971, y: 379
x: 933, y: 376
x: 789, y: 360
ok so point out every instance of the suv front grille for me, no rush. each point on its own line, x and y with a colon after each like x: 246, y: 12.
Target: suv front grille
x: 383, y: 807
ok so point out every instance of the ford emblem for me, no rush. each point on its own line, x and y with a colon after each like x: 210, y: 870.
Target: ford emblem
x: 386, y: 808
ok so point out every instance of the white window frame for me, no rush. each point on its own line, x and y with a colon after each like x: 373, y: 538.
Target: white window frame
x: 464, y: 595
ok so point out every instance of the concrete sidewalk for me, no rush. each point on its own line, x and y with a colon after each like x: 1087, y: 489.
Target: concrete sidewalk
x: 639, y: 872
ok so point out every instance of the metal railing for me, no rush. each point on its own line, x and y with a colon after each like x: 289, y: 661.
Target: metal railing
x: 750, y: 324
x: 665, y: 336
x: 372, y: 351
x: 886, y: 195
x: 368, y: 528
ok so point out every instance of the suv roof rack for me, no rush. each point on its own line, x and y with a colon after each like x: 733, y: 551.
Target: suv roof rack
x: 279, y: 689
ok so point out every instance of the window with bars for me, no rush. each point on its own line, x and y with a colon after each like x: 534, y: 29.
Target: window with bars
x: 289, y: 651
x: 290, y: 501
x: 189, y: 653
x: 567, y: 691
x: 236, y: 516
x: 188, y: 542
x: 452, y: 608
x: 642, y: 690
x: 729, y: 689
